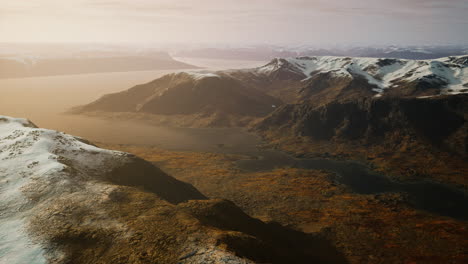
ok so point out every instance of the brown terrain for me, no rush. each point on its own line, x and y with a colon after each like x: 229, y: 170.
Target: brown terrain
x: 377, y: 228
x: 83, y: 204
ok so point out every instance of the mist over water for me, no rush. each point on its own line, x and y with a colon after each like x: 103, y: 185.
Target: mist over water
x: 43, y: 100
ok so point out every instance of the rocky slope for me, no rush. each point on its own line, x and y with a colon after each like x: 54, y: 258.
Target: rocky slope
x: 418, y: 137
x: 63, y: 200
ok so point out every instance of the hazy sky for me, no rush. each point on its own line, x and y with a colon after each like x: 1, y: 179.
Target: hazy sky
x: 236, y: 21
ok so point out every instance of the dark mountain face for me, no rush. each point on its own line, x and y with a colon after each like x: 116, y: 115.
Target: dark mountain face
x: 209, y: 94
x: 324, y: 88
x: 411, y: 138
x: 432, y: 119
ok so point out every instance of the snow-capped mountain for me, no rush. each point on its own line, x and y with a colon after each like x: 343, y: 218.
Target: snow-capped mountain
x: 240, y: 97
x: 449, y: 74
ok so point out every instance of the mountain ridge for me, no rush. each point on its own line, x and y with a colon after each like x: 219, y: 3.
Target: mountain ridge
x: 207, y: 98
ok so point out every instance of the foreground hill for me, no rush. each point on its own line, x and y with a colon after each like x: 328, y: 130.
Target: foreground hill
x: 64, y: 200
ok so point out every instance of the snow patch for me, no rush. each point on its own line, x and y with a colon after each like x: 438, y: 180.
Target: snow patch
x: 198, y: 75
x: 33, y: 162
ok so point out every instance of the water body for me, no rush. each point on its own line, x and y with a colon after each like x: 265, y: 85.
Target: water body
x: 43, y: 100
x: 424, y: 195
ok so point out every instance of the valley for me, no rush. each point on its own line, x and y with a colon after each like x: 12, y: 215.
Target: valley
x: 314, y: 201
x: 338, y: 191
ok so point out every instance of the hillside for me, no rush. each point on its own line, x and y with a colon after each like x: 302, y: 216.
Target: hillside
x: 64, y: 200
x: 409, y: 137
x: 211, y: 99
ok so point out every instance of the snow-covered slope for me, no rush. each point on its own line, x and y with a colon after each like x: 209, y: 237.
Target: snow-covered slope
x: 35, y: 165
x: 450, y: 73
x: 47, y: 176
x: 63, y: 200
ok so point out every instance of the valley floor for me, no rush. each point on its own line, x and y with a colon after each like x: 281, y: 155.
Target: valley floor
x: 380, y: 228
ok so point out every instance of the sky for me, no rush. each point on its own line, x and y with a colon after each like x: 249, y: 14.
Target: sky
x: 236, y: 21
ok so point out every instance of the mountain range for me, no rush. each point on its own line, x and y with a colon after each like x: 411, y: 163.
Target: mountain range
x: 267, y: 52
x: 316, y: 80
x: 355, y: 107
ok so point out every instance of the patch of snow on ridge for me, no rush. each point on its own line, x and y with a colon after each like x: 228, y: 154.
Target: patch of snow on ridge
x: 33, y: 162
x: 274, y: 65
x: 198, y: 75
